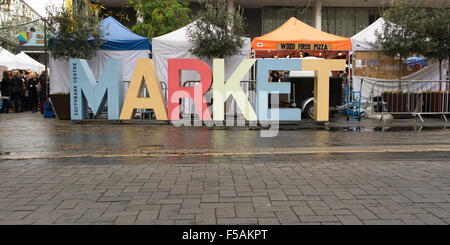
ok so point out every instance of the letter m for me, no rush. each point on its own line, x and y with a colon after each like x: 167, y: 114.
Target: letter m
x: 85, y: 90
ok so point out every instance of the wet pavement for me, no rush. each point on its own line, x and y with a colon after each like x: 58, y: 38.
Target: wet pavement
x: 368, y: 172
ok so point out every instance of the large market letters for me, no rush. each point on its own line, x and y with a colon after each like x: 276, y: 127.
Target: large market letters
x: 222, y: 90
x: 264, y: 88
x: 322, y: 84
x: 84, y: 89
x: 144, y: 69
x: 176, y: 91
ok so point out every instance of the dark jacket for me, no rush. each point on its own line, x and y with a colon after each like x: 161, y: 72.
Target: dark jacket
x: 5, y: 86
x: 43, y: 81
x: 31, y: 87
x: 16, y: 86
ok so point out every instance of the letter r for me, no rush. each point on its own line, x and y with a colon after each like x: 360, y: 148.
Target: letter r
x: 176, y: 91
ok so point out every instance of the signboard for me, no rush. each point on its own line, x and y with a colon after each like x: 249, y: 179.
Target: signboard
x: 85, y: 90
x: 31, y: 39
x: 303, y: 46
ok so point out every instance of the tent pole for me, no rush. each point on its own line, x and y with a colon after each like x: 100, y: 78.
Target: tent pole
x: 45, y: 60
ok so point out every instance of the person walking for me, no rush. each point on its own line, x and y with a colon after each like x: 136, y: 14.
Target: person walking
x: 5, y: 88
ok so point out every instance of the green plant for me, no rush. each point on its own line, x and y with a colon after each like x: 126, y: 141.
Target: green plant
x: 436, y: 35
x: 217, y: 32
x: 400, y: 36
x: 76, y: 34
x: 158, y: 17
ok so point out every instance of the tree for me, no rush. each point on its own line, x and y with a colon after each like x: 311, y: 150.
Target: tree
x: 158, y: 17
x: 217, y: 32
x: 436, y: 35
x: 401, y: 33
x: 5, y: 2
x: 75, y: 34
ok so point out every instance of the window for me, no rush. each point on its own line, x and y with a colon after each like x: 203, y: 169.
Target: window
x: 339, y: 21
x: 274, y: 17
x: 347, y: 21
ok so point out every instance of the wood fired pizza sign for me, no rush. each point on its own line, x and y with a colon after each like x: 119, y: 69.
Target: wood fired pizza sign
x: 303, y: 46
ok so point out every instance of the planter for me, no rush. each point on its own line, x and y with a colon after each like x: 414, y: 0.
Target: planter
x: 61, y: 105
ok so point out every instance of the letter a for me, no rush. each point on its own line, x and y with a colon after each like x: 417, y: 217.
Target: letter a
x: 144, y: 69
x: 222, y: 90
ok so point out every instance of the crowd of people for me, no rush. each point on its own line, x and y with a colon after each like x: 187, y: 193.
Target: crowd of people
x: 24, y: 91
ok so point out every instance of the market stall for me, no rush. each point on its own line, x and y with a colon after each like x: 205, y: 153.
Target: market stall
x: 370, y: 64
x: 369, y: 61
x: 175, y: 45
x: 298, y: 39
x: 295, y: 39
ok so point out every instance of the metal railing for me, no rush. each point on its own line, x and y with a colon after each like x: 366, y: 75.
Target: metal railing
x: 410, y: 97
x: 188, y: 109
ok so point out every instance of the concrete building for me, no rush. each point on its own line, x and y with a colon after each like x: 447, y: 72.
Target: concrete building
x: 340, y: 17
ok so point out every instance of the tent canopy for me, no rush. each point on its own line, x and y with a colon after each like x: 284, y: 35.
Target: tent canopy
x: 293, y: 31
x: 12, y: 61
x: 417, y: 61
x: 118, y: 37
x: 364, y: 40
x: 36, y: 66
x: 175, y: 45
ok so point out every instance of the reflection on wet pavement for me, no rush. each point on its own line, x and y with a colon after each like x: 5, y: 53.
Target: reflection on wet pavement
x: 29, y: 134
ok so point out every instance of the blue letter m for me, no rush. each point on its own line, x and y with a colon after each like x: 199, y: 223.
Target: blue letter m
x: 85, y: 90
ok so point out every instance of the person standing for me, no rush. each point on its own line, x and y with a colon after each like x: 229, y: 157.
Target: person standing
x: 5, y: 89
x: 274, y: 76
x: 16, y: 91
x: 42, y: 90
x: 26, y: 78
x: 32, y: 93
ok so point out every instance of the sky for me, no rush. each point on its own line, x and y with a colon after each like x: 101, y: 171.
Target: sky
x: 40, y: 5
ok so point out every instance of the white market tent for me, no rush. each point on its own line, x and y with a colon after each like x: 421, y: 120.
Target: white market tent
x: 120, y: 43
x: 35, y: 66
x: 364, y: 40
x: 11, y: 61
x: 175, y: 45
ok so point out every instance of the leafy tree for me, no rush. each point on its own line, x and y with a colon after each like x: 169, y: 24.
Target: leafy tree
x: 5, y: 2
x: 74, y: 35
x: 158, y: 17
x: 216, y: 32
x: 436, y: 35
x: 401, y: 33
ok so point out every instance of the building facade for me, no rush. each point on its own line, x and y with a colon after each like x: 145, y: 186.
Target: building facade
x: 340, y: 17
x: 17, y: 17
